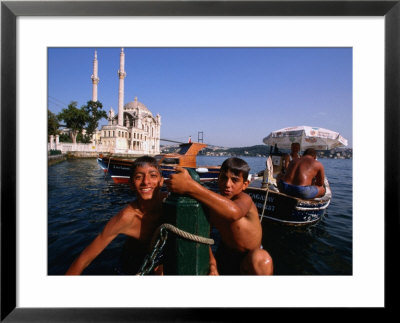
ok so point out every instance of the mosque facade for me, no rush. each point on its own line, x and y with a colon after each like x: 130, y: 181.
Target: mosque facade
x: 132, y: 129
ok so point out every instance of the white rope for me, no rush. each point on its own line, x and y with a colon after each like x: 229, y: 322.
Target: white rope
x: 265, y: 203
x: 185, y: 234
x: 154, y: 245
x: 268, y: 171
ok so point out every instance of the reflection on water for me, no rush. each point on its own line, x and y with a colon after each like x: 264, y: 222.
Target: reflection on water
x: 81, y: 200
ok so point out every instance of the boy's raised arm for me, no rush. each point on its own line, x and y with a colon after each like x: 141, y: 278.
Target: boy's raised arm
x: 87, y: 255
x: 182, y: 183
x: 110, y: 231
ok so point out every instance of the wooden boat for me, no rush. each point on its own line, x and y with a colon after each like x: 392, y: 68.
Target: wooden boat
x: 119, y: 168
x: 285, y: 209
x: 278, y: 207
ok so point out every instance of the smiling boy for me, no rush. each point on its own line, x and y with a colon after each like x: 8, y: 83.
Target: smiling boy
x: 138, y: 220
x: 234, y: 215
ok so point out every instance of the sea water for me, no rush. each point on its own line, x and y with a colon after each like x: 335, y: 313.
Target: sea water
x: 81, y: 199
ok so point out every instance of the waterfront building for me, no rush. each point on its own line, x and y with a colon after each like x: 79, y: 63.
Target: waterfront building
x: 133, y: 129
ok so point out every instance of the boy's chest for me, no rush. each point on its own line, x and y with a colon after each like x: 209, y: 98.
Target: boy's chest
x: 141, y: 230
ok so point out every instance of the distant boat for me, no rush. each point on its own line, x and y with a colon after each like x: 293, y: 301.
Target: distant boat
x: 119, y: 168
x: 285, y: 209
x: 279, y: 207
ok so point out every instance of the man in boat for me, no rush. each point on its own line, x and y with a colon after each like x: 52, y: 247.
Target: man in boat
x: 294, y: 155
x: 304, y: 178
x: 287, y: 158
x: 138, y: 220
x: 234, y: 215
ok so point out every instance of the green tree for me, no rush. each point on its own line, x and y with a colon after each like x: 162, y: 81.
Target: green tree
x: 52, y: 124
x: 94, y: 113
x: 83, y: 138
x: 74, y: 119
x: 65, y: 138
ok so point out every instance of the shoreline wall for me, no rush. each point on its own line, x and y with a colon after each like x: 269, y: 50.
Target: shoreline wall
x: 55, y: 159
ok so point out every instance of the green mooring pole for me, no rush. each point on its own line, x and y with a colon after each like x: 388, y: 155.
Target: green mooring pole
x: 183, y: 256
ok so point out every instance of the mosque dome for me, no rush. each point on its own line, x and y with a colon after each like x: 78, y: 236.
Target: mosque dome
x: 136, y: 106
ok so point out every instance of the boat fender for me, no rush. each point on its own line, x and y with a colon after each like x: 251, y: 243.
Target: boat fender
x: 202, y: 170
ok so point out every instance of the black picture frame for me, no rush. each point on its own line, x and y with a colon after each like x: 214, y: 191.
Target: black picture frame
x: 10, y: 10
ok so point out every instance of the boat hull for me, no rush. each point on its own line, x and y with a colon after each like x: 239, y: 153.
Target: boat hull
x: 211, y: 174
x: 287, y: 210
x: 119, y: 170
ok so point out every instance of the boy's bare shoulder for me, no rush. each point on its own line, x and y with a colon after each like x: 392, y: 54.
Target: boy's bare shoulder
x: 243, y: 197
x: 128, y: 213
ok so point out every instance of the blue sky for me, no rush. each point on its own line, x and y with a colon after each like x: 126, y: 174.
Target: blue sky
x: 235, y: 96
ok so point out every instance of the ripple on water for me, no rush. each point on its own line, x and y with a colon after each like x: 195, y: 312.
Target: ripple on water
x: 81, y: 200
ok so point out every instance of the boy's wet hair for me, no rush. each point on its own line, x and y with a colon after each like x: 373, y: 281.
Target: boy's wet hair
x: 142, y: 161
x: 237, y: 166
x: 295, y: 144
x: 310, y: 151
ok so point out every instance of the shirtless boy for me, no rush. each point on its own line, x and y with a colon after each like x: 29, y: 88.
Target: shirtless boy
x: 304, y: 178
x: 288, y: 158
x: 234, y: 215
x: 138, y: 220
x: 294, y: 155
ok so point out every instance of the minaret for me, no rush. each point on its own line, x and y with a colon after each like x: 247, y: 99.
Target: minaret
x: 121, y: 75
x: 95, y: 77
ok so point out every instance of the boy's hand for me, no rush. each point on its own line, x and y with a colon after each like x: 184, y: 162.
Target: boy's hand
x: 180, y: 182
x: 213, y: 271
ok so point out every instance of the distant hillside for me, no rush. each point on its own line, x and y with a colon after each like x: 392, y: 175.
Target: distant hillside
x: 257, y: 151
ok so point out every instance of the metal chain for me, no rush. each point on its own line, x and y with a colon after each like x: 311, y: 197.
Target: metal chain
x: 150, y: 259
x: 162, y: 231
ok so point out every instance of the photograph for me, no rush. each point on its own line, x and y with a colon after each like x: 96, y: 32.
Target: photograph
x: 195, y: 108
x: 176, y: 144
